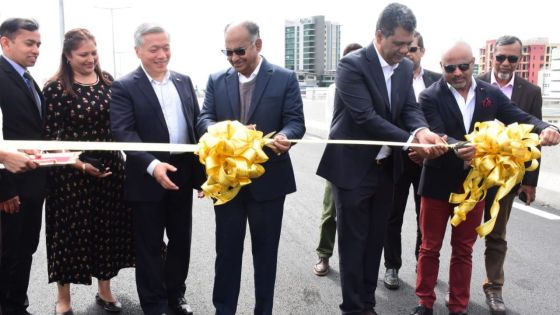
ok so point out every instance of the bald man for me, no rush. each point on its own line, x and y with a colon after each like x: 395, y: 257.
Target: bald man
x: 452, y: 106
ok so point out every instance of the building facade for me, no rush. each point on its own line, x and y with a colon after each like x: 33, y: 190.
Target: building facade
x: 536, y: 56
x: 312, y: 49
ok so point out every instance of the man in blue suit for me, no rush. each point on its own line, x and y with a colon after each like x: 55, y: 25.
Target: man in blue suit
x: 374, y: 101
x: 154, y: 104
x: 266, y: 97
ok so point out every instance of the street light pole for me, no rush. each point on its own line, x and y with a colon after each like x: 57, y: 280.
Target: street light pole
x: 112, y: 12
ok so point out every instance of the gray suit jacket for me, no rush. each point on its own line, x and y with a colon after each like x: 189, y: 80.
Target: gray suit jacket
x: 526, y: 96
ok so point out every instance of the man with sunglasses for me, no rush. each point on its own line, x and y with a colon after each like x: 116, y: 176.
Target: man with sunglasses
x: 452, y: 106
x: 374, y: 100
x: 266, y: 97
x: 412, y: 165
x: 507, y: 54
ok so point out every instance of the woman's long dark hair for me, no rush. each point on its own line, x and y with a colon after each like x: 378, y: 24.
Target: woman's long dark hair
x: 72, y: 39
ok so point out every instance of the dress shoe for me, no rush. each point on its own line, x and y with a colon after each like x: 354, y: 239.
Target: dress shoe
x: 494, y: 300
x: 180, y: 308
x: 321, y: 268
x: 369, y: 312
x: 112, y: 307
x: 422, y: 310
x: 391, y: 279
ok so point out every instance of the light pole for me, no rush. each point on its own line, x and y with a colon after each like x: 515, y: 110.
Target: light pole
x: 112, y: 12
x: 61, y: 21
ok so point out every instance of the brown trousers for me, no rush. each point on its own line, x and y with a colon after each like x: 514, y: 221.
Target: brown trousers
x: 496, y: 243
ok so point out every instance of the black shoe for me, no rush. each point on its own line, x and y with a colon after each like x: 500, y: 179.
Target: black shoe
x: 112, y: 307
x: 391, y: 279
x: 180, y: 307
x: 494, y: 300
x: 369, y: 312
x: 422, y: 310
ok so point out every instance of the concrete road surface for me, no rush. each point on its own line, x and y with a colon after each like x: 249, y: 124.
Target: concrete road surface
x: 532, y: 266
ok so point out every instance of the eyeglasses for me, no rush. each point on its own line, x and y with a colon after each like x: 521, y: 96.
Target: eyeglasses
x: 511, y: 59
x: 451, y: 68
x: 237, y: 51
x: 413, y: 49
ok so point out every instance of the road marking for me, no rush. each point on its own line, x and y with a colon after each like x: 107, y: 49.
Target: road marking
x: 536, y: 212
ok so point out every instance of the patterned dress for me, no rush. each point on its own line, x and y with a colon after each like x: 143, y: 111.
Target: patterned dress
x: 88, y: 226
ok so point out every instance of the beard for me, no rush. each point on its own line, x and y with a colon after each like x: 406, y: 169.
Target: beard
x: 504, y: 76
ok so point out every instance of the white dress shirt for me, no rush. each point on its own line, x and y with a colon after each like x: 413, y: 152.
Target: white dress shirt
x: 172, y: 109
x: 388, y: 71
x: 465, y: 106
x: 418, y: 84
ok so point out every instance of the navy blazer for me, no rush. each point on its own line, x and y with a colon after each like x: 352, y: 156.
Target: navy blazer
x: 21, y: 121
x: 445, y: 174
x: 529, y: 98
x: 362, y: 112
x: 136, y: 116
x: 276, y: 105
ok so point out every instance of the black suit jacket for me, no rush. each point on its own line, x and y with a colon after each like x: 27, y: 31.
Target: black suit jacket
x: 430, y: 77
x: 362, y: 112
x: 528, y: 97
x: 21, y: 121
x: 444, y: 175
x: 136, y: 116
x: 276, y: 105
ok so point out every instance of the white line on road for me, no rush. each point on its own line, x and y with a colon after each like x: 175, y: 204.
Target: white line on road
x: 534, y: 211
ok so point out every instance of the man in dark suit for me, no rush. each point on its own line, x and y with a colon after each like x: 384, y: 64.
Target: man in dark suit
x: 21, y: 195
x: 412, y: 166
x: 154, y: 104
x: 266, y: 97
x: 507, y: 54
x: 374, y: 101
x: 452, y: 106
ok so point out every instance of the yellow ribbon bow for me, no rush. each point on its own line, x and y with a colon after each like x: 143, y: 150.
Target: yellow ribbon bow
x: 501, y: 153
x: 231, y: 153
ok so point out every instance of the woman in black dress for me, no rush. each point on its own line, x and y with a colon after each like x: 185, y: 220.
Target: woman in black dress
x: 88, y: 226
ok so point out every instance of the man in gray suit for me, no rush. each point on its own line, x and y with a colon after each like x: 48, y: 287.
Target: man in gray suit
x: 507, y: 54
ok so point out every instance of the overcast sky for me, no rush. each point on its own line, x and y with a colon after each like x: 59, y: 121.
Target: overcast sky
x: 196, y: 27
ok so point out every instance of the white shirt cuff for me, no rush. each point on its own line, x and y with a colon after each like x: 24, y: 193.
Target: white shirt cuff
x: 151, y: 167
x: 411, y: 138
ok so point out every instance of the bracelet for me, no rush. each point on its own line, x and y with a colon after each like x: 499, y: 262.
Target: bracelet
x: 84, y: 168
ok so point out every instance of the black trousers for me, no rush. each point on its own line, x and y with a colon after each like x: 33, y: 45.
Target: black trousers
x: 161, y: 271
x: 265, y: 223
x: 362, y: 215
x: 20, y: 238
x: 392, y: 250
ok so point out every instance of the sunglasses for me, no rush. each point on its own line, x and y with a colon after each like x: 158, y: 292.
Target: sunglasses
x: 237, y: 51
x: 413, y: 49
x: 451, y: 68
x: 511, y: 59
